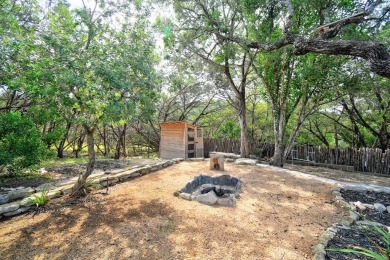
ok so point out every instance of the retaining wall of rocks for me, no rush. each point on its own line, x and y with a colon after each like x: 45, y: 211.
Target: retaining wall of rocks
x: 19, y: 201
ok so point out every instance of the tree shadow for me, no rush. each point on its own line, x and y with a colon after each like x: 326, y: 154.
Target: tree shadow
x: 98, y: 229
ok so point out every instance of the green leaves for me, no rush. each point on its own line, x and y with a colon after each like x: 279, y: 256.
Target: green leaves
x: 21, y: 145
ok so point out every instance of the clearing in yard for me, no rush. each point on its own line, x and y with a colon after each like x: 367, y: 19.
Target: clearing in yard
x: 278, y: 216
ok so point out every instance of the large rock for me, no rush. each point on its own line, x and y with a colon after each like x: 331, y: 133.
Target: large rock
x: 45, y: 187
x: 26, y: 202
x: 123, y: 176
x: 228, y: 201
x: 110, y: 180
x: 146, y: 169
x: 227, y: 155
x: 22, y: 193
x: 4, y: 198
x: 16, y: 212
x: 9, y: 207
x: 245, y: 161
x: 53, y: 194
x: 177, y: 160
x: 209, y: 198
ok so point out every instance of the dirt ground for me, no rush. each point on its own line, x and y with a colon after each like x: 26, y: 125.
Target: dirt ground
x: 278, y: 216
x: 339, y: 175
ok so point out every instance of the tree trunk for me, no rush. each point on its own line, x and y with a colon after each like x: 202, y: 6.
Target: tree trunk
x: 278, y: 158
x: 279, y: 122
x: 60, y: 149
x: 121, y: 143
x: 244, y: 148
x: 105, y: 141
x: 91, y: 162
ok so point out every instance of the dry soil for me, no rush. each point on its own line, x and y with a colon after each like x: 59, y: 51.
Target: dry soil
x: 278, y: 216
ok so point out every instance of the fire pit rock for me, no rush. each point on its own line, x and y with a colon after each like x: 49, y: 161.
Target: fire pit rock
x: 222, y: 190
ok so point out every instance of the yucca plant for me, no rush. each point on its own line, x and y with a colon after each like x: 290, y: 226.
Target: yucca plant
x: 382, y: 234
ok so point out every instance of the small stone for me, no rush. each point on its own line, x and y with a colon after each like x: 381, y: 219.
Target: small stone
x: 360, y: 206
x: 185, y: 196
x: 388, y: 209
x: 379, y: 207
x: 176, y: 193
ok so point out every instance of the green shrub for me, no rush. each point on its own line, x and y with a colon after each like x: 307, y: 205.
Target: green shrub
x: 21, y: 145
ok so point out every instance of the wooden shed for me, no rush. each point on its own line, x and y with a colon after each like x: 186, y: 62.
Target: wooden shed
x: 181, y: 140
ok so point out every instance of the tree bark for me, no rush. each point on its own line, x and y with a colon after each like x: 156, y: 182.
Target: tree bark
x: 244, y: 148
x: 120, y: 143
x: 60, y: 149
x: 278, y: 158
x: 91, y: 161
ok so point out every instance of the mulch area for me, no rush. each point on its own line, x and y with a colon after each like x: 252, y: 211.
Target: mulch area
x: 361, y: 236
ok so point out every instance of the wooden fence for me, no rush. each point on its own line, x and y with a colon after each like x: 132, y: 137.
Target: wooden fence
x: 363, y: 159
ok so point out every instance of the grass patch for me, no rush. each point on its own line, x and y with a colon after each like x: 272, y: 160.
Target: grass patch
x: 63, y: 161
x: 168, y: 226
x: 40, y: 200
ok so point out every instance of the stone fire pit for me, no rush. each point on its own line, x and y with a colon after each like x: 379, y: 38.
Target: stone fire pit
x: 222, y: 190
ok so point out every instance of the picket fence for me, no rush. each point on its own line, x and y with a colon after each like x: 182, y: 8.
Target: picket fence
x: 362, y: 159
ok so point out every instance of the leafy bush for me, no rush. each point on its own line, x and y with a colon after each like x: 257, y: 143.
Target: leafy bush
x: 21, y: 144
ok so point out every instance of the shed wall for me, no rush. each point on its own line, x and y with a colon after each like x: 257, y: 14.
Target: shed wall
x: 172, y: 143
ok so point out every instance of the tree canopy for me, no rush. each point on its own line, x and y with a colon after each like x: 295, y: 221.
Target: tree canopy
x: 100, y: 77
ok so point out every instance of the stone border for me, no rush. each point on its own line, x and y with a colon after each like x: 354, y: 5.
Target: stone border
x: 329, y: 233
x: 100, y: 180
